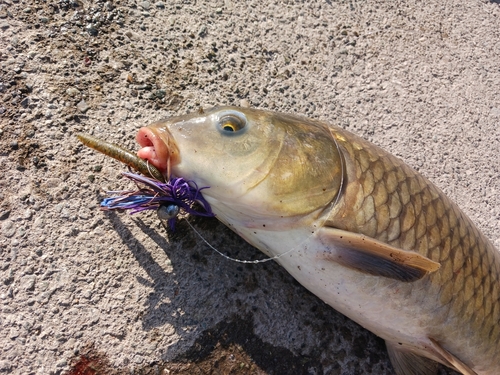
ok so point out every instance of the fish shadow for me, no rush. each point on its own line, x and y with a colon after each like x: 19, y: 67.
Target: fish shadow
x: 220, y: 309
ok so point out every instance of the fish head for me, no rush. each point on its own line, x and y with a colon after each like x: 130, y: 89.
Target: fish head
x: 258, y: 165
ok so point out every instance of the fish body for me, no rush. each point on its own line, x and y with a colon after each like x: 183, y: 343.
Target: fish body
x: 353, y: 224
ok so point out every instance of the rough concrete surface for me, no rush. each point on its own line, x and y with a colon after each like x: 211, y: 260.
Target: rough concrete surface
x: 89, y: 292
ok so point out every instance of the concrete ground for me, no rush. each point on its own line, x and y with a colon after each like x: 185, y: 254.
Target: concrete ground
x: 89, y: 292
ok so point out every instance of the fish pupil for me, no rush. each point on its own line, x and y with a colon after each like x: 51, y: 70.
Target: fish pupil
x: 231, y: 124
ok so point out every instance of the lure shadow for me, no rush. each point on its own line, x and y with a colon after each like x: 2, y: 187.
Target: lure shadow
x: 186, y: 285
x: 143, y: 257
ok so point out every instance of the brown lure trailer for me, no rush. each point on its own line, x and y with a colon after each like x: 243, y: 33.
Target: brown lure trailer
x: 121, y: 154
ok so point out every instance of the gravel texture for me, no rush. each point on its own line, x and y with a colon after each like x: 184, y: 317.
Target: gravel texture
x: 85, y: 290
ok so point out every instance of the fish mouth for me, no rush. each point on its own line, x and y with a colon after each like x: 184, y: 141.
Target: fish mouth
x: 158, y: 148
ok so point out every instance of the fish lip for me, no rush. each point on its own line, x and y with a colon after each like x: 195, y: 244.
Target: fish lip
x: 158, y: 147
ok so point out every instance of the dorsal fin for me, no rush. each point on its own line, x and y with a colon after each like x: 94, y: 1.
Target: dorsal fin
x: 374, y: 257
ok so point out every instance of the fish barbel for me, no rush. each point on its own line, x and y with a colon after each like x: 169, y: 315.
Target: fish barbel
x: 369, y: 235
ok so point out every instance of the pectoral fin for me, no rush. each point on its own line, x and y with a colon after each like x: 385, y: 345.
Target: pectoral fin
x: 374, y: 257
x: 407, y: 363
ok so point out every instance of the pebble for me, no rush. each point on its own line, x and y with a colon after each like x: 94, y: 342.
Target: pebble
x: 72, y: 91
x: 13, y: 333
x: 28, y: 282
x: 71, y: 342
x: 65, y: 213
x: 122, y: 115
x: 202, y: 31
x: 91, y: 29
x: 160, y: 94
x: 160, y: 4
x: 495, y: 111
x: 5, y: 365
x: 146, y: 5
x: 4, y: 25
x: 82, y: 106
x: 132, y: 36
x: 4, y: 214
x: 8, y: 228
x: 141, y: 87
x: 21, y: 231
x: 127, y: 105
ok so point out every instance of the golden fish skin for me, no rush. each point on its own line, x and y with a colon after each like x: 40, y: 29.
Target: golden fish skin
x: 353, y: 224
x: 387, y: 200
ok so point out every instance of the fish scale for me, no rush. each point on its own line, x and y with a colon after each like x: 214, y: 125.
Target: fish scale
x: 387, y: 200
x: 353, y: 224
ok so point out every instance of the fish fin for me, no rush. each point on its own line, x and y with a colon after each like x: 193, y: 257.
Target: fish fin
x: 449, y: 359
x: 407, y: 363
x: 374, y: 257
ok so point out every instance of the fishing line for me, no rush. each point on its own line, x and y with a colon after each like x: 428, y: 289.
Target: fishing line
x: 240, y: 260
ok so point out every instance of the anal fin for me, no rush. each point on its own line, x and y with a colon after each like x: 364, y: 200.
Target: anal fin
x: 407, y: 363
x: 374, y: 257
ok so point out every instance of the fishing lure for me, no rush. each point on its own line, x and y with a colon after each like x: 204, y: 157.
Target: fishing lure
x: 168, y: 198
x: 121, y: 154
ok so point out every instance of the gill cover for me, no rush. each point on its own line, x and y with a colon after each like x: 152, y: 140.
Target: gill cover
x: 298, y: 166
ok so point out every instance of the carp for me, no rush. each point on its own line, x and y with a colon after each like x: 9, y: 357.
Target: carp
x: 353, y: 224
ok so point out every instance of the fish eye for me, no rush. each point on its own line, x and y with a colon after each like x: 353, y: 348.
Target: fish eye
x: 231, y: 124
